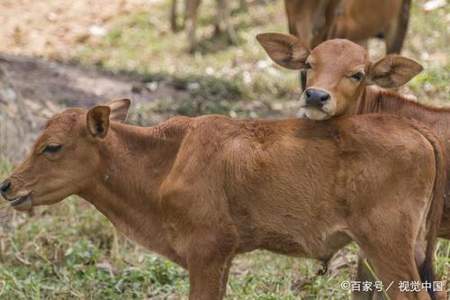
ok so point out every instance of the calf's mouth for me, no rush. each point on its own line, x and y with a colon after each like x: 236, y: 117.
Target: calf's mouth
x: 22, y: 202
x: 313, y: 113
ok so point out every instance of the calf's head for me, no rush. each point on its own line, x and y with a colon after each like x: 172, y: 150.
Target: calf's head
x: 64, y: 158
x: 335, y: 73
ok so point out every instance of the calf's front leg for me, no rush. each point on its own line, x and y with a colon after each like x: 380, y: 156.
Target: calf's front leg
x: 208, y: 277
x: 223, y: 21
x: 191, y: 22
x: 201, y: 231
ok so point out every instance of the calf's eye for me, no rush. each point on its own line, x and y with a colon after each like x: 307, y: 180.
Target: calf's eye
x: 52, y: 148
x: 358, y: 76
x: 307, y: 66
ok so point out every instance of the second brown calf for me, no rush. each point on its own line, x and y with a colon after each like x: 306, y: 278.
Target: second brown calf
x: 340, y: 80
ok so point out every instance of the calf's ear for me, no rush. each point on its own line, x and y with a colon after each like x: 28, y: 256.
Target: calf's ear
x: 119, y: 110
x: 393, y: 71
x: 98, y: 121
x: 285, y: 50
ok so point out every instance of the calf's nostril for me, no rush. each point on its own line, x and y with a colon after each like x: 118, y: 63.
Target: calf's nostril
x: 324, y: 97
x: 308, y: 93
x: 5, y: 186
x: 316, y: 97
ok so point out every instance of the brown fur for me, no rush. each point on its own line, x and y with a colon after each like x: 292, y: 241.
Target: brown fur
x: 332, y: 65
x: 202, y: 190
x: 314, y: 21
x: 438, y: 119
x: 352, y: 97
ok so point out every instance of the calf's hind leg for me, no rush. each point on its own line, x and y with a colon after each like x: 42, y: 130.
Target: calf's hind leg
x: 173, y: 16
x: 191, y: 22
x: 397, y: 30
x: 390, y: 245
x: 223, y: 21
x: 393, y: 269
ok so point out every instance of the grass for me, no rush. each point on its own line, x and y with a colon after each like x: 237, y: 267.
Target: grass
x: 70, y: 251
x: 427, y: 42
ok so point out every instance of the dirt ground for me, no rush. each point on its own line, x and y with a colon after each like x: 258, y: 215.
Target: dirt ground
x: 51, y: 28
x: 39, y: 38
x: 35, y: 45
x: 47, y: 86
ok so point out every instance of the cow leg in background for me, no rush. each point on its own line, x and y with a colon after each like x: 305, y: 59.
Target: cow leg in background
x: 223, y: 24
x: 174, y: 16
x: 323, y: 20
x: 243, y: 5
x: 219, y: 25
x: 396, y: 32
x: 191, y: 22
x: 444, y: 230
x: 290, y: 6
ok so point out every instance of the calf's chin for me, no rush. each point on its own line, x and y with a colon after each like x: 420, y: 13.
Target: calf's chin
x: 313, y: 114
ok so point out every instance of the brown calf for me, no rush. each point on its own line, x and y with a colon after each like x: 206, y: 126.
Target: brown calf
x: 341, y: 72
x: 190, y: 19
x: 314, y: 21
x: 202, y: 190
x: 338, y: 80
